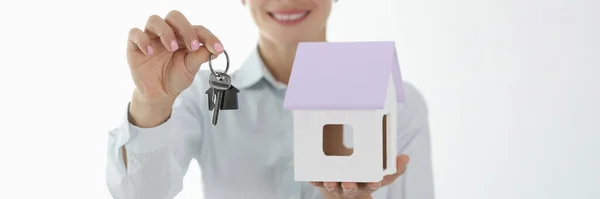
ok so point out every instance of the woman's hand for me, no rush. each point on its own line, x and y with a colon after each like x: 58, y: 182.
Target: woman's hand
x: 165, y: 57
x: 352, y: 190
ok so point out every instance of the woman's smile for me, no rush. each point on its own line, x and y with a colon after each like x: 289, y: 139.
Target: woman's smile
x: 289, y: 17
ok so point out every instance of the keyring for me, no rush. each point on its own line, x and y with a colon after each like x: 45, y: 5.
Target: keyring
x: 210, y: 64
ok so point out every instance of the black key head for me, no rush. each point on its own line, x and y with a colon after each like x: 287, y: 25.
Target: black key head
x: 230, y: 99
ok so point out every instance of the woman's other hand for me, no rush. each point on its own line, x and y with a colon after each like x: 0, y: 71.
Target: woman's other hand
x: 353, y: 190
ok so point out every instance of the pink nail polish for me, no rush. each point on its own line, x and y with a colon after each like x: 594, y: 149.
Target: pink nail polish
x: 195, y: 45
x: 218, y: 47
x: 150, y: 50
x: 346, y: 189
x: 375, y: 186
x: 174, y: 45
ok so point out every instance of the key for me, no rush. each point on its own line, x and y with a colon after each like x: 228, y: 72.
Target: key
x: 219, y: 84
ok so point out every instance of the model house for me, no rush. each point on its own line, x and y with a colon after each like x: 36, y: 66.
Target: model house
x: 354, y: 84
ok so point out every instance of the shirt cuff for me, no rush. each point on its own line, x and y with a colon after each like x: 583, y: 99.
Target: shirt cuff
x: 143, y: 140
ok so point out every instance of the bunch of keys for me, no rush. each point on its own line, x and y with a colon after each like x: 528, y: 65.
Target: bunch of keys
x: 221, y: 94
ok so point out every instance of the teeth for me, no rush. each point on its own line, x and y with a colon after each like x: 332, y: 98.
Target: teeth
x: 289, y: 17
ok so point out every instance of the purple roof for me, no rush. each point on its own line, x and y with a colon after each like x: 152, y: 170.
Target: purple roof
x: 343, y: 75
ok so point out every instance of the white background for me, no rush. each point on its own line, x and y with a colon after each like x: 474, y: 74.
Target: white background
x: 512, y: 87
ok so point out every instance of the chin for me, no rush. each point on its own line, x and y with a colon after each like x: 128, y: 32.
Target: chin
x: 291, y: 38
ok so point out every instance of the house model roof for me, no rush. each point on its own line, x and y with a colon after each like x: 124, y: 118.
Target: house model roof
x: 343, y: 75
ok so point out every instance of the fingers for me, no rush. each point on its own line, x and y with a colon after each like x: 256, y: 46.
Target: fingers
x: 182, y: 28
x: 374, y: 185
x: 340, y: 186
x: 138, y: 40
x: 177, y: 26
x: 330, y: 186
x: 175, y: 31
x: 348, y: 186
x: 157, y: 27
x: 347, y: 189
x: 317, y: 184
x: 212, y: 43
x: 194, y: 59
x: 401, y: 163
x: 351, y: 189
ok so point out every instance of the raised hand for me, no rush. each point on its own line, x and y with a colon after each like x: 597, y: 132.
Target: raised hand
x: 164, y: 58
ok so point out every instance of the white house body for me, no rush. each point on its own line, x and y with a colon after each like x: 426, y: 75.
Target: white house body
x: 366, y: 163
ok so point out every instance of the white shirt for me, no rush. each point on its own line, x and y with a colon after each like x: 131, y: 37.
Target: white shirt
x: 249, y: 153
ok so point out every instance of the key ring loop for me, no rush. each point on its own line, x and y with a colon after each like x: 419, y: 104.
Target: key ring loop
x: 211, y: 67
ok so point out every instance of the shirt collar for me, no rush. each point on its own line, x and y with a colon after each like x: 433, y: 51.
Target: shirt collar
x: 252, y: 71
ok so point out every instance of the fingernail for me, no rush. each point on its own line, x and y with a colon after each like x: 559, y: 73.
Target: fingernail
x: 174, y: 45
x: 150, y: 50
x: 346, y: 189
x: 195, y: 45
x: 218, y: 47
x: 329, y: 188
x: 375, y: 186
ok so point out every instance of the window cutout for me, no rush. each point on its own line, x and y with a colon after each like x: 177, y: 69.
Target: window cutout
x: 333, y: 140
x: 384, y: 129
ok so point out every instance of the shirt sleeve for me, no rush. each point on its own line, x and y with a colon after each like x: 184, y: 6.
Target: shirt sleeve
x: 157, y: 158
x: 414, y: 141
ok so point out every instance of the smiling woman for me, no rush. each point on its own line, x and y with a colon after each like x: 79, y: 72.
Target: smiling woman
x: 286, y: 23
x: 249, y: 154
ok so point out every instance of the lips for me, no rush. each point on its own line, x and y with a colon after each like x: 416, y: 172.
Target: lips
x: 289, y: 17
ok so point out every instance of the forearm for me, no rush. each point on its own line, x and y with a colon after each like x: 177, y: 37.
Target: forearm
x: 148, y: 168
x: 148, y: 163
x: 148, y: 176
x: 144, y: 113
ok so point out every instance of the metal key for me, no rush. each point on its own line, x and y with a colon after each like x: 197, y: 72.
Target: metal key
x: 219, y: 83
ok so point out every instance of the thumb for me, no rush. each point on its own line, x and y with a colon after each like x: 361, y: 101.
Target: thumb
x: 401, y: 163
x: 194, y: 59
